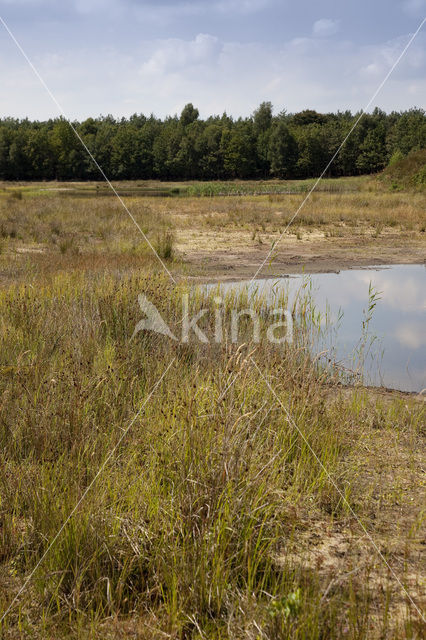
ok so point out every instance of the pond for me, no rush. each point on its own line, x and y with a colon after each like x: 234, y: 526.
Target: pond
x: 394, y: 339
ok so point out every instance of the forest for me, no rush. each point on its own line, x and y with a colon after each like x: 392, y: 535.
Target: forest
x: 186, y: 147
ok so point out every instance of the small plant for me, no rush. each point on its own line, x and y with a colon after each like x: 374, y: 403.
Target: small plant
x: 165, y: 244
x: 68, y: 245
x: 287, y: 606
x: 378, y: 230
x: 395, y: 157
x: 366, y: 341
x: 55, y: 228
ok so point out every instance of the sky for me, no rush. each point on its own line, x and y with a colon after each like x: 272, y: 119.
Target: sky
x: 122, y: 57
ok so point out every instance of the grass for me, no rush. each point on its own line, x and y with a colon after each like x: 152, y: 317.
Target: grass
x: 153, y: 188
x: 213, y: 518
x: 359, y: 210
x: 164, y: 245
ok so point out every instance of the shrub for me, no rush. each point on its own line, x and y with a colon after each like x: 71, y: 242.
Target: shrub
x: 164, y: 245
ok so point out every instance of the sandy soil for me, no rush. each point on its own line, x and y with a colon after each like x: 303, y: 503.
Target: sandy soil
x: 230, y: 255
x: 386, y: 548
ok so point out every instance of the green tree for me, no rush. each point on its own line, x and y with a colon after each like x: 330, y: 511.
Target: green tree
x: 308, y: 116
x: 238, y: 148
x: 262, y: 118
x: 19, y: 166
x: 211, y: 158
x: 373, y: 155
x: 40, y: 154
x: 282, y: 151
x: 314, y: 151
x: 71, y: 160
x: 408, y: 132
x: 189, y: 115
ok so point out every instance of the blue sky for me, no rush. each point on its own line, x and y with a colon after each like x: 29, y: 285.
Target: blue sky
x: 127, y: 56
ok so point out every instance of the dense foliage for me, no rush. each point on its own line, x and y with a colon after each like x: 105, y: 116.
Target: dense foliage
x: 406, y: 172
x: 186, y: 147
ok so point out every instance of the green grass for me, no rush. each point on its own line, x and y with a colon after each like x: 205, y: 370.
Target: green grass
x: 152, y: 188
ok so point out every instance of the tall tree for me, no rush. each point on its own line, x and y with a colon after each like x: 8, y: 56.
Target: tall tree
x: 282, y: 151
x: 189, y: 114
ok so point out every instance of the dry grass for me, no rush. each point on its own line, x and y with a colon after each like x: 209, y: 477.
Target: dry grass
x: 212, y: 519
x: 363, y: 216
x: 323, y: 211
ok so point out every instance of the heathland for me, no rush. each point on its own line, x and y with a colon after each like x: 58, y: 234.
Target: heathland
x: 215, y: 490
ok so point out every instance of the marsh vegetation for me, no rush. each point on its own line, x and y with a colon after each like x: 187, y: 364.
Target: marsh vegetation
x: 217, y: 515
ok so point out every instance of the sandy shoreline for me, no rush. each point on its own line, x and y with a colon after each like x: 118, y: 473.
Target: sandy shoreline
x: 240, y: 264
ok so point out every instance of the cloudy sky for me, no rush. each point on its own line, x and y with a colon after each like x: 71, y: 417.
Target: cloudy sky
x: 127, y: 56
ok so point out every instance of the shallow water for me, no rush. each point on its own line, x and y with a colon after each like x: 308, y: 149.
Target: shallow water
x: 396, y: 353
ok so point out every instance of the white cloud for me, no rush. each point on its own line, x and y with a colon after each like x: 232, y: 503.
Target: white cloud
x: 411, y: 335
x: 381, y: 58
x: 303, y: 72
x: 163, y: 75
x: 174, y: 54
x: 325, y: 27
x: 401, y: 292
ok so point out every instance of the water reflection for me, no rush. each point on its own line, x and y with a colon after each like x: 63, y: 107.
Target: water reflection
x: 397, y: 358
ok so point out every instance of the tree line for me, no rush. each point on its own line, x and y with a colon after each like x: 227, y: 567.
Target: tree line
x: 186, y: 147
